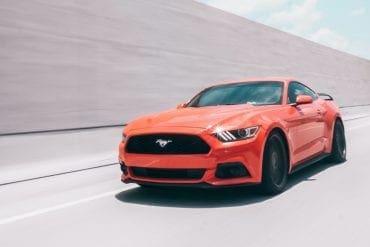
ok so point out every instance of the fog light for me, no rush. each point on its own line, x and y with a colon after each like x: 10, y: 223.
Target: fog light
x: 123, y: 167
x: 231, y: 170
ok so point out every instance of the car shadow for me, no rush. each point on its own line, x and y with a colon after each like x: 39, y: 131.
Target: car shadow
x: 212, y: 198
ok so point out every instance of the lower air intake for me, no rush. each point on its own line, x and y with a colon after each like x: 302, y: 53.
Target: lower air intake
x: 167, y: 173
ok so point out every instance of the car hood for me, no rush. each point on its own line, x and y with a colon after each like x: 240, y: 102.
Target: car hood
x: 229, y: 116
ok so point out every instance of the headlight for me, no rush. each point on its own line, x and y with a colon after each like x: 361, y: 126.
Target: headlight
x: 123, y: 137
x: 236, y: 135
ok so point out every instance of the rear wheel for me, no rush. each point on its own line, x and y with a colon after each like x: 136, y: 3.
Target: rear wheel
x: 339, y: 149
x: 275, y: 165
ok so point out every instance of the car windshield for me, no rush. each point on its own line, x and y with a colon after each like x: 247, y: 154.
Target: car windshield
x: 255, y: 93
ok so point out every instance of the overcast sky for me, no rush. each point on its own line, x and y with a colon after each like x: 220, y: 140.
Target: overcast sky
x: 340, y: 24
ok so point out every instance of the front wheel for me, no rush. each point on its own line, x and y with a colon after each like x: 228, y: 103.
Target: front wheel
x: 339, y: 149
x: 275, y: 165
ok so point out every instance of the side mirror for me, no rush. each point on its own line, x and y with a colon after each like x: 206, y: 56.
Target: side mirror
x: 182, y: 105
x: 303, y: 99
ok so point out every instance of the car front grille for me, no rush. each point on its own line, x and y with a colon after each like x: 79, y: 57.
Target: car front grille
x: 167, y: 144
x: 167, y: 173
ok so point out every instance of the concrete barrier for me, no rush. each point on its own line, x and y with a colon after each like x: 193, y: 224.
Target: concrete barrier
x: 68, y: 64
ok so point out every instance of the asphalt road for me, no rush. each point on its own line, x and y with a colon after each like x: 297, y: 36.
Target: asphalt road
x: 325, y: 205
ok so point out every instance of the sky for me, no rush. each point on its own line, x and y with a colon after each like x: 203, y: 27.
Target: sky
x: 341, y: 24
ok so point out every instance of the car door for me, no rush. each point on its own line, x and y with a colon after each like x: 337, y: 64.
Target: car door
x: 306, y: 124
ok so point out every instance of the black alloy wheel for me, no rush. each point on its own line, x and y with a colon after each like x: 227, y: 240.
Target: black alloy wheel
x: 275, y: 165
x: 339, y: 148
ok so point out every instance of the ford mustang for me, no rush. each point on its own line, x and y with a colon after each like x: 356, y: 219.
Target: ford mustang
x: 254, y: 131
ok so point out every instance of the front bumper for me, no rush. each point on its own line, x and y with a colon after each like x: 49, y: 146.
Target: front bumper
x: 202, y: 185
x: 246, y: 152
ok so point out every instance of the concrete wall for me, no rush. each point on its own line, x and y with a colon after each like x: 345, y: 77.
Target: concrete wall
x: 76, y: 63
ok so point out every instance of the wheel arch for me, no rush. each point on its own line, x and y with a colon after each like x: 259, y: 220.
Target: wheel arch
x: 268, y: 180
x: 336, y: 118
x: 281, y: 132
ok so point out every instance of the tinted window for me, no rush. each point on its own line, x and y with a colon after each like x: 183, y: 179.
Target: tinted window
x: 256, y: 93
x: 296, y: 88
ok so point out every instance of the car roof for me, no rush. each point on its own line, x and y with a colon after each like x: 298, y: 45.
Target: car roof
x: 256, y: 79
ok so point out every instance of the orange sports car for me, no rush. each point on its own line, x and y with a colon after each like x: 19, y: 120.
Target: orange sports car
x: 254, y: 131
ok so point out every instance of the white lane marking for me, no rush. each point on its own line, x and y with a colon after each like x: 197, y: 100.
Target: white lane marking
x: 355, y: 117
x: 60, y: 206
x: 358, y: 126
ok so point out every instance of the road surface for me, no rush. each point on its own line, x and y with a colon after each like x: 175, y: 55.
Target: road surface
x: 325, y: 205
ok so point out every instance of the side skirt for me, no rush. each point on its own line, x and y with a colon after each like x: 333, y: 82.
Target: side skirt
x: 309, y: 161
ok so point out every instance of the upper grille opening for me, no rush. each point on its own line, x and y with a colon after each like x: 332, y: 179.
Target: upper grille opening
x: 167, y: 144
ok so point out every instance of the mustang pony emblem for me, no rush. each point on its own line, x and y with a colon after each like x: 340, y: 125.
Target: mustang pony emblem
x: 162, y: 143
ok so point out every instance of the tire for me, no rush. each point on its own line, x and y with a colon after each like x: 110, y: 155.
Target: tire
x: 145, y: 186
x: 339, y: 148
x: 275, y: 165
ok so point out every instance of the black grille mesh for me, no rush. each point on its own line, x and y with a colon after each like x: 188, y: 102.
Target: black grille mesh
x: 167, y: 144
x: 167, y: 173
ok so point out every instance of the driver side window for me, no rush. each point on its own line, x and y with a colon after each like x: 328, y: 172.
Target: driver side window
x: 296, y: 88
